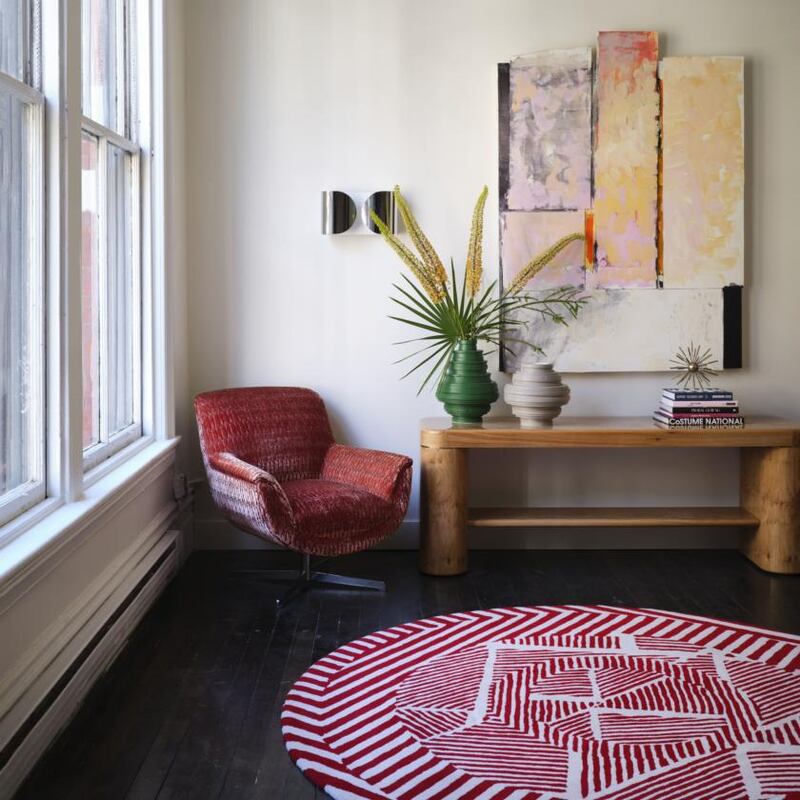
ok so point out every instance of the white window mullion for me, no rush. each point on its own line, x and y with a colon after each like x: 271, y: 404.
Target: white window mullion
x: 53, y: 87
x: 71, y: 375
x: 137, y: 307
x: 120, y: 83
x: 36, y: 332
x: 102, y: 284
x: 157, y: 377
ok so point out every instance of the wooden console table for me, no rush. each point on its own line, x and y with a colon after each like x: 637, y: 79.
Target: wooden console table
x: 769, y: 494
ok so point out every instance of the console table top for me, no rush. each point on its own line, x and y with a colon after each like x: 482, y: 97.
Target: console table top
x: 500, y: 432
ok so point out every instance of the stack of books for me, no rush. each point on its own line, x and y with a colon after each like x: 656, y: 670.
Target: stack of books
x: 698, y: 408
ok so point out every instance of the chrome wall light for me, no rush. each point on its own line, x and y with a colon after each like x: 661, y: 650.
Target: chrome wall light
x: 344, y: 212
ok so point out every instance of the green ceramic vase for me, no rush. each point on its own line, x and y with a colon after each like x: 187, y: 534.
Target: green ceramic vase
x: 466, y: 388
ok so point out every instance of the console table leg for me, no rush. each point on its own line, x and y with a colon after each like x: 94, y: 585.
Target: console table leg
x: 443, y: 546
x: 770, y: 489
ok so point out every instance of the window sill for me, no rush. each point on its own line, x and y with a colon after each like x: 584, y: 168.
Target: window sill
x: 52, y: 525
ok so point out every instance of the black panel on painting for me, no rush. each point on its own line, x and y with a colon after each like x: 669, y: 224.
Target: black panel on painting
x: 504, y: 131
x: 732, y: 327
x: 503, y: 140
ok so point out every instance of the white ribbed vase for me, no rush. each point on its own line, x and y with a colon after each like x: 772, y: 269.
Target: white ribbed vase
x: 536, y: 395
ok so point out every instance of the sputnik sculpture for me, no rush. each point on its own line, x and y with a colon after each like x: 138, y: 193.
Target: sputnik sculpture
x: 695, y: 366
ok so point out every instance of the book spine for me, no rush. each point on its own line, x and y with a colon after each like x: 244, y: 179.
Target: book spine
x: 697, y: 395
x: 690, y: 409
x: 699, y: 404
x: 673, y: 423
x: 699, y: 422
x: 704, y: 414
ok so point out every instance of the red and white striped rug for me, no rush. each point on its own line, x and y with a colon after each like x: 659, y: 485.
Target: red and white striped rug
x: 553, y: 703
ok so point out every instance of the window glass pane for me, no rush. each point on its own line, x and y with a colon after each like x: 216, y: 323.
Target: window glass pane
x: 20, y: 398
x: 121, y: 291
x: 90, y: 288
x: 103, y: 53
x: 15, y: 38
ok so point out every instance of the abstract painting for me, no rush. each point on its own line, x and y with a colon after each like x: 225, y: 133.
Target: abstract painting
x: 662, y: 208
x: 550, y: 153
x: 626, y: 160
x: 703, y: 171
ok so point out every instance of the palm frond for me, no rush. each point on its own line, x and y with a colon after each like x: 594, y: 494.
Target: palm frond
x: 425, y: 360
x: 421, y: 350
x: 414, y: 323
x: 439, y: 367
x: 415, y: 309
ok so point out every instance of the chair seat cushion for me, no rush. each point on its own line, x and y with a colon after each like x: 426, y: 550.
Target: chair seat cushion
x: 336, y: 518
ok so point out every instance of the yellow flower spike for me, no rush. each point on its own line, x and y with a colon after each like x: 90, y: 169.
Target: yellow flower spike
x: 410, y: 260
x: 475, y: 249
x: 541, y: 261
x: 433, y: 264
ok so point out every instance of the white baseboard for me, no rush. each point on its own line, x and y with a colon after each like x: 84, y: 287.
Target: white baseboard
x: 30, y: 718
x: 219, y: 534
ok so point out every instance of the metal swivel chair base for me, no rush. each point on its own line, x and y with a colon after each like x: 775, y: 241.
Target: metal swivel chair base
x: 306, y: 577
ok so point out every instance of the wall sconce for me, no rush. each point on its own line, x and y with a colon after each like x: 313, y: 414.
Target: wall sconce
x: 344, y: 212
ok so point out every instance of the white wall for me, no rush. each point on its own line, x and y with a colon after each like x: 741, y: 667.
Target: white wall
x: 287, y: 98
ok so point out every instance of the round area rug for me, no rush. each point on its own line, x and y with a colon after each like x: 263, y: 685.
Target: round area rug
x: 553, y: 702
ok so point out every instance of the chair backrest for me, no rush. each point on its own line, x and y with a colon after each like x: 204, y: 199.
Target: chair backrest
x: 283, y: 430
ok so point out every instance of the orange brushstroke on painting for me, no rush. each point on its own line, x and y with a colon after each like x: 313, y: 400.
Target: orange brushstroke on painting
x: 588, y: 232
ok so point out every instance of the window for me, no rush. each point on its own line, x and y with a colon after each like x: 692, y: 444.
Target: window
x: 21, y: 264
x: 110, y: 264
x: 80, y: 251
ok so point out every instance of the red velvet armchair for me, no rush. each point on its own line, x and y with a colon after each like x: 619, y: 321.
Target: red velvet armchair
x: 275, y: 471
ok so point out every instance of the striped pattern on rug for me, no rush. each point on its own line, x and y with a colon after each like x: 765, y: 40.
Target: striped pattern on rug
x: 557, y: 703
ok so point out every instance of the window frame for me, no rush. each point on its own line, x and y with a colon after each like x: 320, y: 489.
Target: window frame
x: 131, y: 71
x: 68, y: 484
x: 111, y: 443
x: 26, y: 495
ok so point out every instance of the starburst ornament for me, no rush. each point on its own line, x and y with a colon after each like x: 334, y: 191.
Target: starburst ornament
x: 695, y: 364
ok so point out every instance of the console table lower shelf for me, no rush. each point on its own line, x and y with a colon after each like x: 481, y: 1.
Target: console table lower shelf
x: 769, y: 490
x: 668, y: 517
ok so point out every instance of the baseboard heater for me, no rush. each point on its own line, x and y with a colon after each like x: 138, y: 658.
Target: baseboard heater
x: 61, y: 684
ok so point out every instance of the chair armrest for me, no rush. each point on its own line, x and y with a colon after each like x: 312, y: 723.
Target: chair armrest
x: 234, y: 467
x: 250, y: 496
x: 383, y: 474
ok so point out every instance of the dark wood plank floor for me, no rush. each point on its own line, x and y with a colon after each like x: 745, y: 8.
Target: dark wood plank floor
x: 191, y: 707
